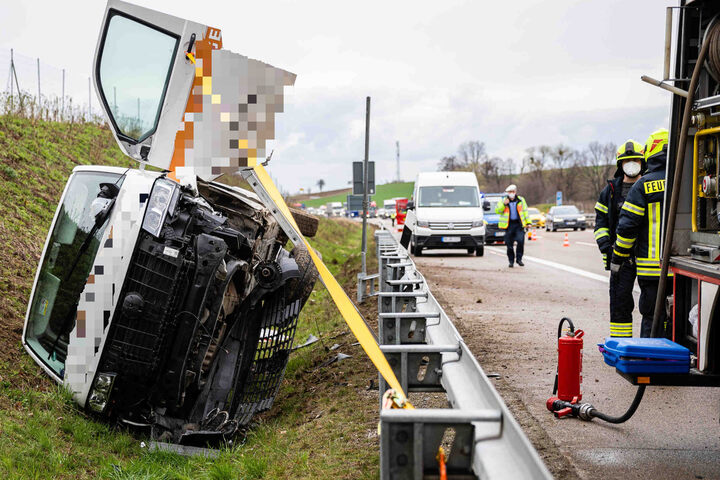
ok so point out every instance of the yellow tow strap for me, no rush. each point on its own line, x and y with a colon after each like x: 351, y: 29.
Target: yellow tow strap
x: 342, y: 301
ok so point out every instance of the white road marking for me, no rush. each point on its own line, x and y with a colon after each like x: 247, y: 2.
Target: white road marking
x: 588, y: 244
x: 560, y: 266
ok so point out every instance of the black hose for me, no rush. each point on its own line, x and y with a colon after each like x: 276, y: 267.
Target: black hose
x: 572, y: 329
x: 625, y: 416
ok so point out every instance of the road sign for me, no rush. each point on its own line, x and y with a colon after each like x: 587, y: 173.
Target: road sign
x: 358, y: 178
x: 354, y: 203
x: 558, y: 198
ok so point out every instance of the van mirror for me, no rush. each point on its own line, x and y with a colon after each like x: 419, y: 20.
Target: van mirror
x: 410, y: 205
x: 486, y: 206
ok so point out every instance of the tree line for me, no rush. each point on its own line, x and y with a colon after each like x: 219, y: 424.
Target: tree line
x: 580, y: 174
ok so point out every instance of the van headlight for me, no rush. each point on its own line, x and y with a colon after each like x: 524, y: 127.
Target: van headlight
x: 423, y: 223
x: 162, y: 200
x: 581, y: 219
x: 478, y: 223
x: 100, y: 392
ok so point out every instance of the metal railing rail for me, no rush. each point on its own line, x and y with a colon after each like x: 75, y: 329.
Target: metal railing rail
x: 428, y: 354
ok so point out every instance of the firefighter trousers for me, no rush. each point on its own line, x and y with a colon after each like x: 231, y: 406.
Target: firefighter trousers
x: 515, y: 233
x: 622, y: 302
x: 648, y: 294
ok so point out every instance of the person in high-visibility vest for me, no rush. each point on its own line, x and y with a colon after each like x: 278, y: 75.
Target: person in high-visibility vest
x: 513, y: 219
x: 630, y: 165
x: 639, y: 229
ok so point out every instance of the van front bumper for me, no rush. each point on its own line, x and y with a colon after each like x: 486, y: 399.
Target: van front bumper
x: 453, y: 240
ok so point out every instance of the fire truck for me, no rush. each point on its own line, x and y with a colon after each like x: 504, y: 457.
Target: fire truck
x: 691, y: 224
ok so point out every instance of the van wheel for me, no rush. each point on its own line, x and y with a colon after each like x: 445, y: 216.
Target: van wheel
x: 480, y: 251
x: 301, y: 288
x: 471, y: 250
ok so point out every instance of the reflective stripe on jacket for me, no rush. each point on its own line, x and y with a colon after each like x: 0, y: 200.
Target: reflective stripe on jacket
x: 504, y: 212
x: 641, y: 220
x: 606, y: 214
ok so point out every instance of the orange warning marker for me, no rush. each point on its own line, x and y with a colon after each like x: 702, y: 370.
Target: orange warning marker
x: 534, y: 235
x: 566, y: 243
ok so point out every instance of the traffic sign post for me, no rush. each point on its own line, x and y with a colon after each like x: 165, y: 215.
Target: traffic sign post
x: 359, y: 181
x: 558, y: 198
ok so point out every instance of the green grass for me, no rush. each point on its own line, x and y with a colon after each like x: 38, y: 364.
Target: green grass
x: 382, y: 193
x: 323, y: 423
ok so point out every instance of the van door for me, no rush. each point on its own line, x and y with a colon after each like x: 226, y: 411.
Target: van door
x: 176, y: 100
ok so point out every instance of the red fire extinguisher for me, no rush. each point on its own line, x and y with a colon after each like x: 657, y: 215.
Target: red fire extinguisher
x: 569, y: 372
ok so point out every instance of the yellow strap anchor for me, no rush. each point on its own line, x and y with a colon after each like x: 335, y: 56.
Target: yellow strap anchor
x: 342, y: 301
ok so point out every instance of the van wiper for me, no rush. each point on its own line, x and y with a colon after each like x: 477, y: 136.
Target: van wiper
x: 101, y: 206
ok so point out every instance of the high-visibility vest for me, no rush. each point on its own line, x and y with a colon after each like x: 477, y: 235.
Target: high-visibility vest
x: 504, y: 212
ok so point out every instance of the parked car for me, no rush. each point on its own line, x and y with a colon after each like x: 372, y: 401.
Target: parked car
x: 537, y: 218
x: 493, y: 233
x: 565, y: 216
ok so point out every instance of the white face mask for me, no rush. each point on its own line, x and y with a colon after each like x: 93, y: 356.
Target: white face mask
x: 511, y: 196
x: 631, y: 169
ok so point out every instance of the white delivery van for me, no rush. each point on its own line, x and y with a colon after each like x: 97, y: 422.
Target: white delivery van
x: 446, y: 213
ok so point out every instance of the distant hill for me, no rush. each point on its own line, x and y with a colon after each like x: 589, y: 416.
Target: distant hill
x: 382, y: 192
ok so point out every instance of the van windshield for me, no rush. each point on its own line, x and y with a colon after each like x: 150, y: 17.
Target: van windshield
x: 58, y: 286
x: 448, y: 196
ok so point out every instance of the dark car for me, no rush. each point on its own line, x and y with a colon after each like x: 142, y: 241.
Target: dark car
x: 565, y: 216
x: 493, y: 233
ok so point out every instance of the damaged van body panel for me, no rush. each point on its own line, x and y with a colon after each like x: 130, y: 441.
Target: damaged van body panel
x: 165, y: 300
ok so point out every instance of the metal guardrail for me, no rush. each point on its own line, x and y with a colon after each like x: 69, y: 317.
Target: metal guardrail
x: 428, y: 354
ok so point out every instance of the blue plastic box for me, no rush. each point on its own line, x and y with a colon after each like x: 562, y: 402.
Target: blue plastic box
x: 645, y: 355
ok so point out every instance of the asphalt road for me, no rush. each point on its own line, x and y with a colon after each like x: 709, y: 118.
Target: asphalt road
x: 509, y: 319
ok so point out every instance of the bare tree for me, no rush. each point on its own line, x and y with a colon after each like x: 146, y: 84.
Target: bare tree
x: 449, y: 164
x: 567, y: 174
x: 599, y: 162
x: 491, y: 172
x: 320, y: 183
x: 472, y: 154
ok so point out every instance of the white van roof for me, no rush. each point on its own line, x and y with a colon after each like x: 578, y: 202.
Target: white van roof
x: 447, y: 178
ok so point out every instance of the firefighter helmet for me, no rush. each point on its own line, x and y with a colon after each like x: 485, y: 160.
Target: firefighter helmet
x: 656, y: 143
x: 630, y: 150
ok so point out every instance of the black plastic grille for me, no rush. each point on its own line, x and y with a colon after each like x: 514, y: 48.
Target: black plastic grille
x: 137, y: 343
x: 277, y: 332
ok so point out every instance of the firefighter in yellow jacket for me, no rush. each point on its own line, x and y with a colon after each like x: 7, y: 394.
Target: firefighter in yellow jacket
x: 639, y: 229
x: 513, y: 219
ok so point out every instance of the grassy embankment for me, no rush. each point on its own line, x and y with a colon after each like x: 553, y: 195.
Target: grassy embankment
x: 382, y: 193
x: 323, y: 423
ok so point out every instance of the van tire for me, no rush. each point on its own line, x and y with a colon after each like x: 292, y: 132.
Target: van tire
x: 480, y: 250
x: 301, y: 288
x: 308, y: 223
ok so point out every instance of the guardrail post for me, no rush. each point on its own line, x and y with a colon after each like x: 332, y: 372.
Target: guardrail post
x: 427, y: 354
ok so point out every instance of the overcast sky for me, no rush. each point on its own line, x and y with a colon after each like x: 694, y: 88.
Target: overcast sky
x: 510, y: 74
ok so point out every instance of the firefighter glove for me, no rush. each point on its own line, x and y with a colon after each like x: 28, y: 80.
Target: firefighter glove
x: 615, y: 264
x: 607, y: 256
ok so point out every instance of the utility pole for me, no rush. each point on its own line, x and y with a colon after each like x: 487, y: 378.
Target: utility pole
x: 38, y: 68
x: 397, y: 160
x: 365, y: 202
x: 13, y: 75
x: 12, y: 69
